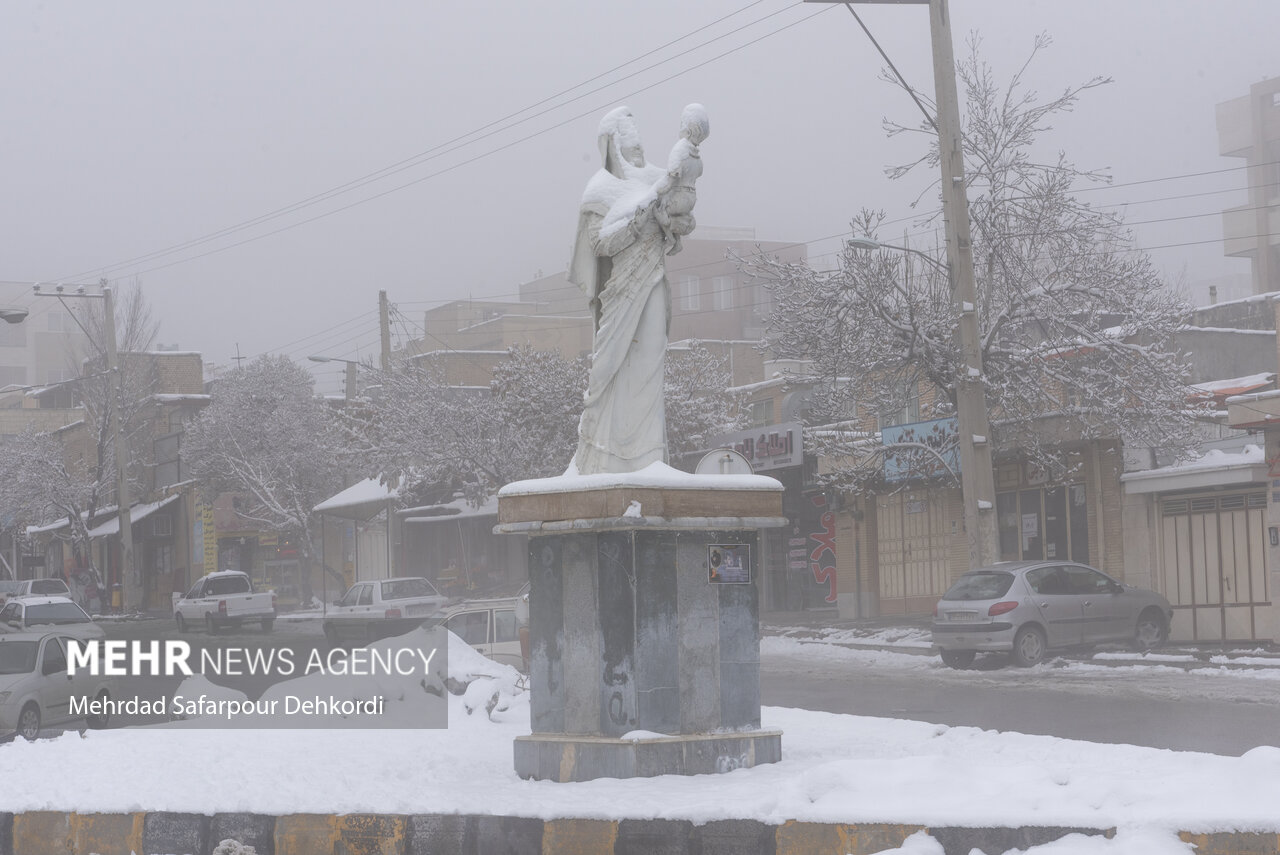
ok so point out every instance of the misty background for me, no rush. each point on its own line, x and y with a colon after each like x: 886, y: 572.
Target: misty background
x: 262, y: 170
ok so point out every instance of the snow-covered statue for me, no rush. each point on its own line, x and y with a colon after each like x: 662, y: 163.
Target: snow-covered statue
x: 631, y: 214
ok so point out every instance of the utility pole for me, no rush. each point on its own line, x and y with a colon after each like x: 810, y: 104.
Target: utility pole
x: 129, y: 581
x: 977, y: 483
x: 973, y: 424
x: 384, y: 324
x: 128, y: 572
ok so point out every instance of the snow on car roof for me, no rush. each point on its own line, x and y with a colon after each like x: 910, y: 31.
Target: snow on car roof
x: 223, y: 573
x: 44, y: 601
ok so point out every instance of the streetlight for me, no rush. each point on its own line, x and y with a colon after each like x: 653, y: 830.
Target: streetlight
x: 128, y: 572
x: 13, y: 316
x: 872, y: 244
x: 350, y: 391
x: 977, y: 483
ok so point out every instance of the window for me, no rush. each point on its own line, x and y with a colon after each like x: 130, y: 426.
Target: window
x: 910, y: 411
x: 504, y: 625
x: 12, y: 375
x: 762, y: 413
x: 1043, y: 523
x: 55, y: 658
x: 366, y: 595
x: 13, y: 335
x: 471, y: 627
x: 689, y: 294
x: 722, y: 292
x: 350, y: 598
x: 60, y: 322
x: 59, y: 375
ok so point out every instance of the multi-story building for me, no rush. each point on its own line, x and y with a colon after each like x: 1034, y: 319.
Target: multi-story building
x: 1249, y: 128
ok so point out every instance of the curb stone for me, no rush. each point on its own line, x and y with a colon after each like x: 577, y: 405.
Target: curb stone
x: 171, y: 833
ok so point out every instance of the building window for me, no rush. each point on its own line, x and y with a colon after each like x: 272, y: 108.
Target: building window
x: 1044, y: 523
x: 722, y: 292
x: 762, y: 413
x: 13, y: 335
x: 59, y: 375
x: 910, y: 411
x: 12, y: 375
x: 689, y: 294
x: 59, y: 322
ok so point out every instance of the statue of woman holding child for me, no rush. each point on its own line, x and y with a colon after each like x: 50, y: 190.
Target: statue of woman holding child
x: 633, y: 215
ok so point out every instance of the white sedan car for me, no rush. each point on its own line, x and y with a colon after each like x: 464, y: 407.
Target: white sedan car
x: 48, y: 613
x: 36, y: 691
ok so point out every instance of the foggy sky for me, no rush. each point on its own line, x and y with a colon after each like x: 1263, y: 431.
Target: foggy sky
x: 127, y: 129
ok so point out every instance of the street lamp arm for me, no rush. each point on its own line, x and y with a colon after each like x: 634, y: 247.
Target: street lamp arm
x: 872, y: 243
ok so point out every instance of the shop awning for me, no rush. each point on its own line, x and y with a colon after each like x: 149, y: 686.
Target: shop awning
x: 111, y: 527
x: 361, y: 501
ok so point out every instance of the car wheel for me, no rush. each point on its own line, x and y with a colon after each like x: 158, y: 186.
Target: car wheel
x: 958, y: 659
x: 267, y: 623
x: 1150, y: 631
x: 29, y: 722
x: 1029, y: 646
x: 210, y: 626
x: 99, y: 722
x: 182, y: 622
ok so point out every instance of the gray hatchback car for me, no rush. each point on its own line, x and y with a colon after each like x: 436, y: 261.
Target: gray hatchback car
x: 1028, y: 608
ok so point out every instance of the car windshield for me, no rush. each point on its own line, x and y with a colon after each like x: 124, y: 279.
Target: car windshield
x: 17, y: 657
x: 399, y: 589
x: 55, y: 613
x: 980, y: 585
x: 222, y: 585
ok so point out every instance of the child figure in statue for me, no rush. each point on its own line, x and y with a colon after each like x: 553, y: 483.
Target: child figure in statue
x: 675, y: 191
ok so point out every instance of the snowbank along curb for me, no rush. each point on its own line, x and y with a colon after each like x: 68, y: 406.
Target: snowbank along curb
x: 49, y: 832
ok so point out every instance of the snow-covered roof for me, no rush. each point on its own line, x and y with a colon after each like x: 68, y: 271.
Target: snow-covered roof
x: 451, y: 511
x: 1249, y: 381
x: 176, y: 398
x: 1253, y: 298
x: 136, y: 512
x: 1233, y: 330
x: 1214, y: 468
x: 361, y: 500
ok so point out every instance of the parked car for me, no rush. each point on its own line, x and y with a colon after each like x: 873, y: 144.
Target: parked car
x: 1028, y: 608
x: 224, y: 599
x: 381, y: 608
x: 62, y: 612
x: 490, y: 626
x: 35, y: 689
x: 33, y: 588
x: 9, y: 588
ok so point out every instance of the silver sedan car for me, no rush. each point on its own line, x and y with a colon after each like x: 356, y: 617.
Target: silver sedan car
x: 1028, y: 608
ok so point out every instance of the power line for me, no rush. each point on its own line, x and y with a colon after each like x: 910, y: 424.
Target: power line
x: 457, y: 143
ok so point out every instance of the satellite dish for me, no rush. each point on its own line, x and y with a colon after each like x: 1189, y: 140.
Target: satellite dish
x: 724, y: 461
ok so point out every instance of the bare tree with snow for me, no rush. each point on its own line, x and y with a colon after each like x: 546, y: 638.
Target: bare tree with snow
x: 1076, y: 326
x: 267, y: 437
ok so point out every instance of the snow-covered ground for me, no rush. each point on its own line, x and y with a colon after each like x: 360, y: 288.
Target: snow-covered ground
x: 835, y: 769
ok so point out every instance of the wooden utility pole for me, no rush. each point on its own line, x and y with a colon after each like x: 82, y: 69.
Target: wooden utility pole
x: 384, y: 323
x: 974, y: 426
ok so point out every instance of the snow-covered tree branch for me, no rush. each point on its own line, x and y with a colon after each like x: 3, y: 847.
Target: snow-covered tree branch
x: 1076, y: 326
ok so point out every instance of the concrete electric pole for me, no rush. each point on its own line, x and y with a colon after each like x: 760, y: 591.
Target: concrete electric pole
x: 977, y: 483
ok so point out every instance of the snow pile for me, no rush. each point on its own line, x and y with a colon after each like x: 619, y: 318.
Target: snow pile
x: 1126, y: 842
x: 476, y: 682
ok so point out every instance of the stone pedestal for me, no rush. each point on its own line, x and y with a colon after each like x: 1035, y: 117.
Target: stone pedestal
x: 640, y: 664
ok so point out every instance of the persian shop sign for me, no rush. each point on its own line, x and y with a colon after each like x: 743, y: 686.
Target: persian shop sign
x: 927, y: 450
x: 771, y: 447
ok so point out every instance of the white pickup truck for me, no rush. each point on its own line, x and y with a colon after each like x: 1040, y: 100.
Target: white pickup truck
x: 225, y: 598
